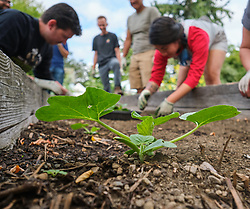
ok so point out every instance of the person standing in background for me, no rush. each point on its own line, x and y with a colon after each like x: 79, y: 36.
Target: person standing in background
x: 5, y: 4
x: 244, y: 84
x: 141, y: 63
x: 60, y: 51
x: 107, y: 55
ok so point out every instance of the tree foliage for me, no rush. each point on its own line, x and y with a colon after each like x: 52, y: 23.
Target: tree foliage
x: 190, y: 9
x: 31, y: 7
x: 232, y: 70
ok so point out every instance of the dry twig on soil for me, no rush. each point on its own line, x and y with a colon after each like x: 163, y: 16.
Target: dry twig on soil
x: 236, y: 197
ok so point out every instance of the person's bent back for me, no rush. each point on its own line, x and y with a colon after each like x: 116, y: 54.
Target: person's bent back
x: 28, y: 40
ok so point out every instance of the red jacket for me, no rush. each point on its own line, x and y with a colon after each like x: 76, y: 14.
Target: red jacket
x: 198, y: 44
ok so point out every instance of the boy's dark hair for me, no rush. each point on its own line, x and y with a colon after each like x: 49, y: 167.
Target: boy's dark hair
x: 65, y: 16
x: 165, y: 30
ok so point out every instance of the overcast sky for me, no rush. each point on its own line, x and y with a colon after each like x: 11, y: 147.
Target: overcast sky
x: 117, y: 12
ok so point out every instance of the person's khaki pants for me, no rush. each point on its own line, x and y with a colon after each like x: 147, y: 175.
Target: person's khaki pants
x: 140, y: 69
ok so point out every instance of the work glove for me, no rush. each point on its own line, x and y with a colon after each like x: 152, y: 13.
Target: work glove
x: 244, y: 84
x: 124, y: 62
x: 143, y: 99
x: 165, y: 108
x: 51, y: 85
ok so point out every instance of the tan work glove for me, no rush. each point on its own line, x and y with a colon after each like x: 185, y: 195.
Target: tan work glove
x: 143, y: 99
x: 165, y: 108
x: 244, y: 85
x: 54, y: 86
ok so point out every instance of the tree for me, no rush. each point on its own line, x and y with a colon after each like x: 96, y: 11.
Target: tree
x: 31, y: 7
x: 232, y: 70
x: 194, y: 9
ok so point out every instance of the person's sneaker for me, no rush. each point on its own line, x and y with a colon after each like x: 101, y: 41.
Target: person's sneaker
x: 118, y: 90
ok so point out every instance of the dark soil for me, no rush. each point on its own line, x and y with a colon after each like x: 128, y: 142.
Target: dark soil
x: 172, y: 179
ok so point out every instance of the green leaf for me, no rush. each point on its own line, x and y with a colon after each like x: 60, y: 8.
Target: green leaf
x: 138, y: 139
x: 94, y: 129
x: 146, y: 127
x: 164, y: 119
x: 158, y: 144
x: 211, y: 114
x: 79, y: 125
x: 89, y: 106
x: 130, y: 152
x: 136, y: 115
x: 55, y: 172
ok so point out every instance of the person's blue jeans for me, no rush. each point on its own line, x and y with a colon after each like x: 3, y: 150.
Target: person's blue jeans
x: 57, y: 73
x: 114, y: 65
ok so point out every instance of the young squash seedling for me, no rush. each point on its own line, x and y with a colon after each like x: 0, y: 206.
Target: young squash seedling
x: 92, y: 131
x: 95, y: 103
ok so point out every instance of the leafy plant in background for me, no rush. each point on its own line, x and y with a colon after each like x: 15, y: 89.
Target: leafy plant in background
x: 95, y: 103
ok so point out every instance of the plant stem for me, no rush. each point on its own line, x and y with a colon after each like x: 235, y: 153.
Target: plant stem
x: 124, y: 138
x: 128, y: 143
x: 114, y: 130
x: 185, y: 135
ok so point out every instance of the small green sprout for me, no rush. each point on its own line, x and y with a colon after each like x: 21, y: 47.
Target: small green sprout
x: 54, y: 173
x: 95, y: 103
x: 92, y: 131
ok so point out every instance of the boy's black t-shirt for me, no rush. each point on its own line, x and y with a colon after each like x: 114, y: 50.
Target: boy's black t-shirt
x: 20, y: 38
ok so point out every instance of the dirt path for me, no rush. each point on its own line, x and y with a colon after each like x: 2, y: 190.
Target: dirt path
x: 173, y: 178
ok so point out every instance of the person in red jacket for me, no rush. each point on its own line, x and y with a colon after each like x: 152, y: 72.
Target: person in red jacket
x: 201, y: 47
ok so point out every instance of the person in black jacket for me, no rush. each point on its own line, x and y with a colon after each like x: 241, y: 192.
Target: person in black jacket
x: 5, y: 4
x: 28, y: 41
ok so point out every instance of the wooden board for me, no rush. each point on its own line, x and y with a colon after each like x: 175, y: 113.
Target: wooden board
x: 20, y: 97
x: 198, y: 98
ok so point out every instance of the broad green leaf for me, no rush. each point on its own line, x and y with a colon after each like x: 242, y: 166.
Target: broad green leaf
x: 146, y: 127
x: 79, y: 125
x: 211, y: 114
x: 140, y: 139
x: 164, y: 119
x: 169, y: 144
x: 136, y: 115
x: 89, y: 106
x: 158, y: 144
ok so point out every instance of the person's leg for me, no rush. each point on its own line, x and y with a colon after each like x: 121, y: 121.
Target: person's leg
x: 114, y: 65
x: 51, y: 69
x: 213, y: 67
x: 134, y: 73
x: 104, y: 74
x: 59, y: 74
x: 182, y: 74
x: 145, y: 66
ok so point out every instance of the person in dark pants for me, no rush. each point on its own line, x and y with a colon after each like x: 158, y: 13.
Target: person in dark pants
x: 107, y: 55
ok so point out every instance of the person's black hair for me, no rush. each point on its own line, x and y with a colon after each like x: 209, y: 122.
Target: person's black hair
x: 65, y: 16
x: 165, y: 30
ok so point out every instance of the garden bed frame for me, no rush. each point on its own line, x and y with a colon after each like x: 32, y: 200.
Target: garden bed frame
x: 20, y: 97
x: 197, y: 99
